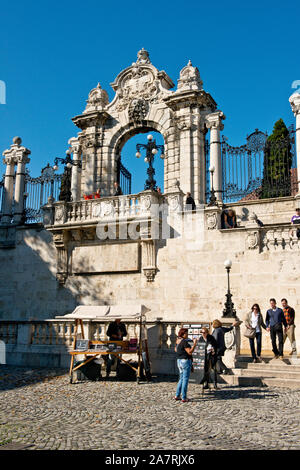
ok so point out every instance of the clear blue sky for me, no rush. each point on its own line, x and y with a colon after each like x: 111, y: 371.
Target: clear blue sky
x: 54, y: 53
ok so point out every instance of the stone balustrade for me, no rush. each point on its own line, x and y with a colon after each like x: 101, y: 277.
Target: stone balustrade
x: 46, y: 343
x: 144, y: 204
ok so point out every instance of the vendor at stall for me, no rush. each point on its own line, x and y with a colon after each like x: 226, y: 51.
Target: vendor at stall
x: 116, y: 331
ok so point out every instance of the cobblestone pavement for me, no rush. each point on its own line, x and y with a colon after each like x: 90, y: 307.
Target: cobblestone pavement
x: 42, y: 409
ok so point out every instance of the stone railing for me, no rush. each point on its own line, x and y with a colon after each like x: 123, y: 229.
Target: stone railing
x: 272, y: 237
x: 46, y: 343
x: 279, y: 237
x: 144, y: 204
x: 105, y: 208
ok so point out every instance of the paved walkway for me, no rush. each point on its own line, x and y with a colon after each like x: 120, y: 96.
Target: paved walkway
x: 42, y: 409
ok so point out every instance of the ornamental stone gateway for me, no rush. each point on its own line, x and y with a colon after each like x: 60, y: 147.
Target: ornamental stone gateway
x: 143, y: 102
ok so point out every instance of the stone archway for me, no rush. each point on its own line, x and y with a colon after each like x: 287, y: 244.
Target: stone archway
x: 144, y: 101
x: 119, y: 141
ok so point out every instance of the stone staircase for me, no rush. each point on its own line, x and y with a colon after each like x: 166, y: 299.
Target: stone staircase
x: 271, y: 372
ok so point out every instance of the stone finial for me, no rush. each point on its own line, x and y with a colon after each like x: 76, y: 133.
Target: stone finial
x: 16, y: 153
x: 17, y: 140
x: 189, y: 78
x: 143, y: 57
x: 97, y: 100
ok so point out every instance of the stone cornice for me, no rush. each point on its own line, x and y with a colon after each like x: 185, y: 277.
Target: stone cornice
x: 94, y: 118
x: 191, y: 97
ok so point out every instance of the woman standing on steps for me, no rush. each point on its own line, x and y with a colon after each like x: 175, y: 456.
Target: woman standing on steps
x: 254, y: 320
x: 184, y: 363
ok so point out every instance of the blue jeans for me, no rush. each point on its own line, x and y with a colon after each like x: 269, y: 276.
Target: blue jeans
x: 252, y: 345
x: 184, y: 366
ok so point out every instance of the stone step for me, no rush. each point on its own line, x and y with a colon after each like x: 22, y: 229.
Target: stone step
x: 243, y: 381
x: 266, y: 359
x: 276, y: 365
x: 264, y: 372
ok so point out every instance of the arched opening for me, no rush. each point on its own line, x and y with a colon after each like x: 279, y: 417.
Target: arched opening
x: 131, y: 171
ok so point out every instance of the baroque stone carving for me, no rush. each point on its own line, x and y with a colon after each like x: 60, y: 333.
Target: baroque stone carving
x: 252, y: 240
x: 138, y: 110
x: 211, y: 220
x: 97, y: 100
x: 60, y: 213
x: 140, y: 81
x: 189, y: 78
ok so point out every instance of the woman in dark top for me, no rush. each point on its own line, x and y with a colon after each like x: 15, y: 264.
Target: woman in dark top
x: 184, y: 363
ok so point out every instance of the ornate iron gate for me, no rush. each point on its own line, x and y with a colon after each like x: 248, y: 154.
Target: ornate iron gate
x: 257, y: 169
x: 37, y: 192
x: 124, y: 177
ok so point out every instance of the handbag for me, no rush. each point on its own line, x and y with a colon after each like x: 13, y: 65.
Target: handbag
x: 249, y: 332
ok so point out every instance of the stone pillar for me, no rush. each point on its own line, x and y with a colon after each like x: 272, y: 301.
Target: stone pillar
x: 19, y: 155
x: 21, y: 159
x: 8, y: 189
x: 214, y: 123
x: 295, y: 104
x: 76, y: 171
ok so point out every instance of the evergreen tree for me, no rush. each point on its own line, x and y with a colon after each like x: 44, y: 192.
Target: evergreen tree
x: 276, y: 180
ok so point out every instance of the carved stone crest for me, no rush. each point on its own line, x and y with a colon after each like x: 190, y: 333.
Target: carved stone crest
x: 211, y: 220
x: 138, y: 110
x: 252, y: 240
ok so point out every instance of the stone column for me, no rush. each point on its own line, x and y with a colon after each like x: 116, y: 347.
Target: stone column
x: 21, y: 159
x: 19, y: 155
x: 9, y: 161
x: 295, y: 104
x: 76, y: 171
x: 214, y: 123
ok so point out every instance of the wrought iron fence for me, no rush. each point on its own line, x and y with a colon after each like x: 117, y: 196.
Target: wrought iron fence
x: 37, y: 192
x: 258, y: 169
x: 124, y: 177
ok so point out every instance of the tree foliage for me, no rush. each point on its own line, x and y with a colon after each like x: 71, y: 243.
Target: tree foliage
x: 276, y: 180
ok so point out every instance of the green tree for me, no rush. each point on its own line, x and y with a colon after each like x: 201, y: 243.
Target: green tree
x: 276, y: 180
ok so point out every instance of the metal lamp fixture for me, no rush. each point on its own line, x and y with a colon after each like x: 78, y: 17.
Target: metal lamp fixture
x: 229, y: 311
x: 152, y: 149
x: 212, y: 199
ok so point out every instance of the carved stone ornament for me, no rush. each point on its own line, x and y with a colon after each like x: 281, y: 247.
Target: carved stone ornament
x: 150, y: 274
x: 229, y: 339
x: 97, y: 100
x: 61, y: 278
x: 174, y: 202
x: 189, y: 78
x: 59, y: 214
x: 252, y: 240
x: 107, y: 208
x: 211, y: 220
x: 140, y: 81
x: 145, y: 203
x: 138, y: 110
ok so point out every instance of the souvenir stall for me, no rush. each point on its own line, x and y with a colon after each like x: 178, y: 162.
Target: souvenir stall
x: 91, y: 349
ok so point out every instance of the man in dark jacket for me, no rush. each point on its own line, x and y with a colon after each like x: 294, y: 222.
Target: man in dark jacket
x: 189, y: 203
x: 118, y: 190
x: 116, y: 331
x: 274, y: 320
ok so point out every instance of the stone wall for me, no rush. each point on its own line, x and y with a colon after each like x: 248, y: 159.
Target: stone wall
x: 191, y: 281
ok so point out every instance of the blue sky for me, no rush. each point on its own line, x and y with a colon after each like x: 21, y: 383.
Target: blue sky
x: 53, y: 54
